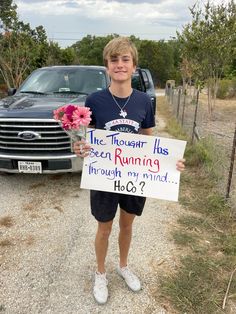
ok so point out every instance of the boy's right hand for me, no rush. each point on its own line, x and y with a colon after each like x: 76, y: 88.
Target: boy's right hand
x: 81, y: 148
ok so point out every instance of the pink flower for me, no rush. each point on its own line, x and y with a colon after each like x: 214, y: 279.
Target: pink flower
x: 69, y: 109
x: 66, y: 122
x: 81, y: 116
x: 72, y: 117
x: 58, y: 113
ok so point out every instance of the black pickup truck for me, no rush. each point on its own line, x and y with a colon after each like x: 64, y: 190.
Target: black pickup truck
x: 31, y: 141
x: 142, y: 80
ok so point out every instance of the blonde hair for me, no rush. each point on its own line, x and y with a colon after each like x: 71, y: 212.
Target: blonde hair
x: 118, y: 46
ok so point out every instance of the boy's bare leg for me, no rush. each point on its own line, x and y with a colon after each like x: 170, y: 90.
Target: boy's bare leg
x: 101, y: 244
x: 126, y: 221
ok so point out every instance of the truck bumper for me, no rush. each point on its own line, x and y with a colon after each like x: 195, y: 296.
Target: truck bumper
x: 61, y: 164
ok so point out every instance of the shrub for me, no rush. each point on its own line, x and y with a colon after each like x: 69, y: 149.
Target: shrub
x: 226, y: 89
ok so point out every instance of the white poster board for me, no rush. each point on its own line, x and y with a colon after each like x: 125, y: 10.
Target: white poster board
x: 132, y: 164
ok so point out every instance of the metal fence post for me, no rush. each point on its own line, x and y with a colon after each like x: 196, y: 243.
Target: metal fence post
x: 231, y: 165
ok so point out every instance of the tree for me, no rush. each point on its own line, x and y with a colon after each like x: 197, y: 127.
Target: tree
x: 22, y: 50
x: 162, y: 58
x: 208, y: 43
x: 67, y: 56
x: 8, y: 14
x: 54, y: 54
x: 159, y: 58
x: 89, y: 49
x: 186, y: 70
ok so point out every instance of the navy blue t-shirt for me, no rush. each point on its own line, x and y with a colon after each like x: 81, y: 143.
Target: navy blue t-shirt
x: 106, y: 113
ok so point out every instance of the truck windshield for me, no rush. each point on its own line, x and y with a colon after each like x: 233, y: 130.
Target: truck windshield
x: 54, y: 80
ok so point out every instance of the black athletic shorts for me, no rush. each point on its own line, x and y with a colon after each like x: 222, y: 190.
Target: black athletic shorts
x: 104, y: 204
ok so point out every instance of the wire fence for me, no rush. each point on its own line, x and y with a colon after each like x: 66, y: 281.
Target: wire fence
x: 192, y: 114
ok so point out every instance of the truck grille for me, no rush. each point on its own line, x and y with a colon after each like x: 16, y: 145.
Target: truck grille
x: 49, y: 138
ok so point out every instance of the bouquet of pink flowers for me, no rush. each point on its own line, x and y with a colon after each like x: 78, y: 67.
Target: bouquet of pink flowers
x: 74, y: 120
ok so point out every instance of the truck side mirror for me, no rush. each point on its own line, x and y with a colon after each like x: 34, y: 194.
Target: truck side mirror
x: 11, y: 91
x: 147, y: 84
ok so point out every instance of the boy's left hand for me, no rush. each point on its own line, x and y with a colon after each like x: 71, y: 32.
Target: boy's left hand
x: 81, y: 148
x: 180, y: 166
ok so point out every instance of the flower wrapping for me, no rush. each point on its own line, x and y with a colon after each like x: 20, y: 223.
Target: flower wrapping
x: 74, y: 120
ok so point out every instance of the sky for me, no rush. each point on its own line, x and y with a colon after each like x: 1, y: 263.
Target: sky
x: 67, y: 21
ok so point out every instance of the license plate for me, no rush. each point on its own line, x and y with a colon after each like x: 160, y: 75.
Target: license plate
x: 29, y: 167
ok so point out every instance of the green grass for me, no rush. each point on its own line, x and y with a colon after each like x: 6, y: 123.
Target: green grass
x: 175, y: 129
x: 206, y: 235
x: 227, y: 244
x: 184, y: 238
x: 196, y: 288
x: 172, y: 127
x: 191, y: 222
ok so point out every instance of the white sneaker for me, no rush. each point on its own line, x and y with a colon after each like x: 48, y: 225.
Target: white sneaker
x: 100, y: 290
x: 131, y: 279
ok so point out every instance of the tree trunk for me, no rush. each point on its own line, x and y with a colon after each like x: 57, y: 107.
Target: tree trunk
x: 209, y: 99
x: 5, y: 77
x: 215, y: 89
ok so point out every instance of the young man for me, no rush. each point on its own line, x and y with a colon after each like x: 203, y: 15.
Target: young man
x: 118, y: 108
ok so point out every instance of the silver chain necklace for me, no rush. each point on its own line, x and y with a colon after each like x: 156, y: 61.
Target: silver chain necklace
x: 123, y: 113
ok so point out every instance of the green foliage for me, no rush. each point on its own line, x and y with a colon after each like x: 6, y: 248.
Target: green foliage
x: 89, y: 49
x: 8, y: 14
x: 68, y: 56
x: 208, y: 42
x: 209, y: 39
x: 198, y: 154
x: 230, y: 71
x: 175, y: 129
x: 226, y: 89
x: 161, y: 58
x: 22, y: 50
x: 207, y: 154
x: 54, y: 54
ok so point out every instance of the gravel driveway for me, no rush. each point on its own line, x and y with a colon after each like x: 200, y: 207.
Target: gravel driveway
x: 47, y: 249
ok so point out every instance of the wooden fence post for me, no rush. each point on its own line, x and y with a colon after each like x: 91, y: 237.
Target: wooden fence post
x: 172, y: 95
x: 182, y: 119
x: 178, y: 104
x: 195, y: 118
x: 231, y: 165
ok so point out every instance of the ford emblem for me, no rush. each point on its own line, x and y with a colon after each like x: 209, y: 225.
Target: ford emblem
x: 28, y: 135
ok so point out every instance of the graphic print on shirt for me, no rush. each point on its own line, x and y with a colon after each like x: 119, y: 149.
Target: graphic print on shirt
x: 122, y: 125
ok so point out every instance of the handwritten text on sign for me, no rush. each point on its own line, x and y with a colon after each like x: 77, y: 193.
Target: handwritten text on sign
x: 132, y: 164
